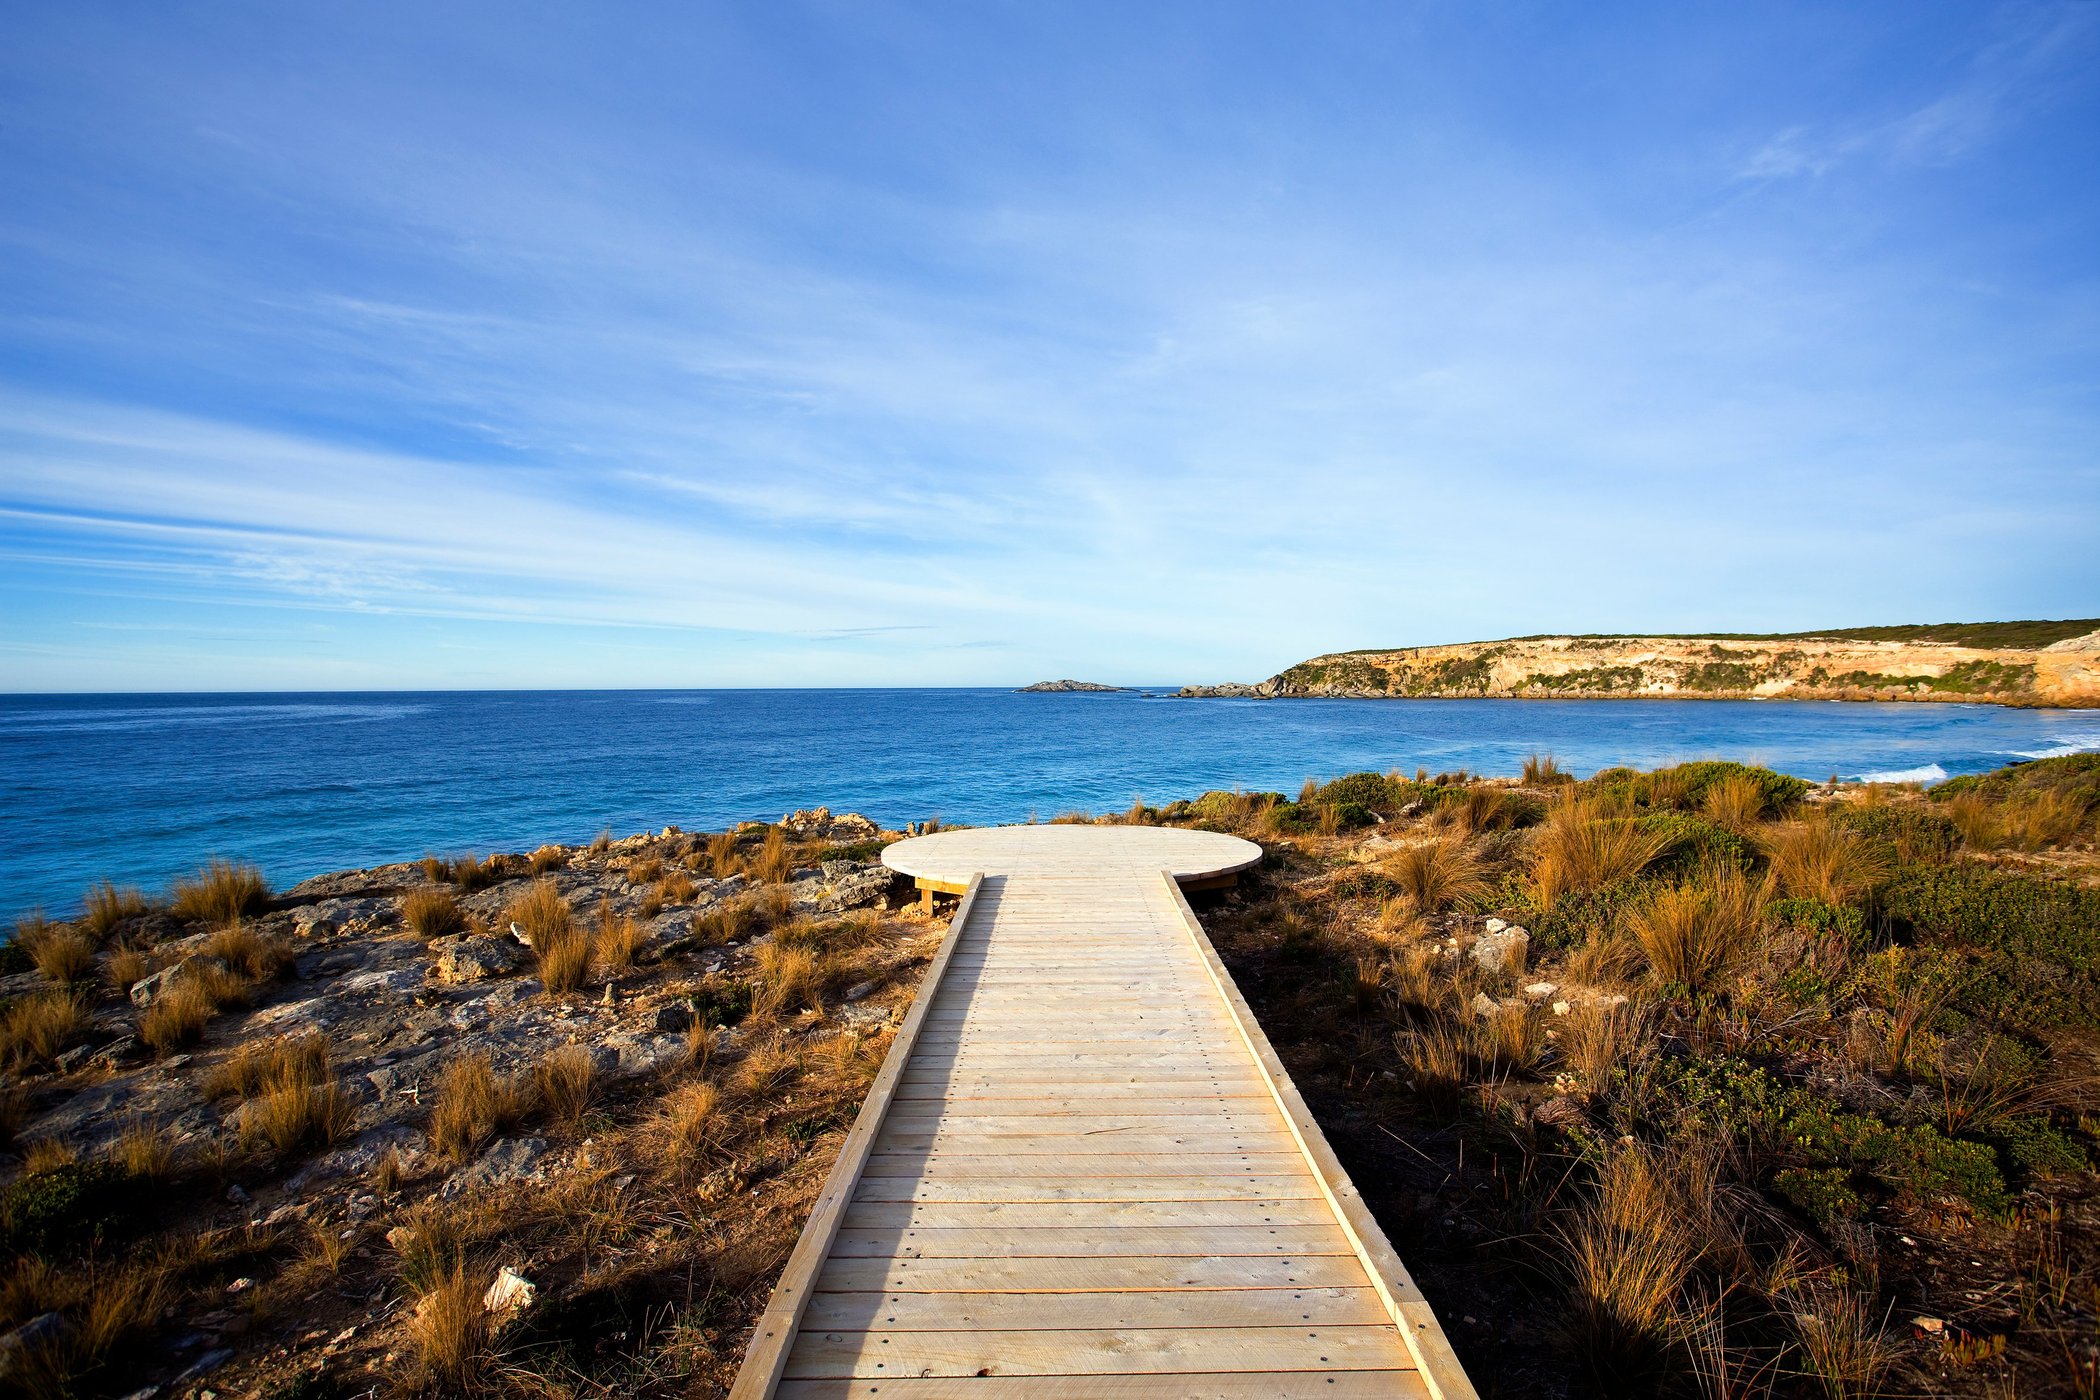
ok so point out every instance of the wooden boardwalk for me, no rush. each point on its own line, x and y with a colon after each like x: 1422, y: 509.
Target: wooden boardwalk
x: 1082, y: 1172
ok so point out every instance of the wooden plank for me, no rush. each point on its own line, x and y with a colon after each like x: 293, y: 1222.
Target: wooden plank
x: 775, y: 1333
x: 937, y: 1166
x: 1094, y: 1215
x: 1122, y: 1351
x: 1247, y: 1385
x: 1178, y: 1307
x: 1103, y: 1275
x: 1162, y: 1241
x: 1136, y: 1188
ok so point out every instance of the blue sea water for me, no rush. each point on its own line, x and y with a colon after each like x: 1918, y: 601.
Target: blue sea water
x: 141, y: 789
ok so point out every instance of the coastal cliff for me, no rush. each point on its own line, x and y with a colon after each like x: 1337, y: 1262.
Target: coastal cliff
x: 2040, y: 664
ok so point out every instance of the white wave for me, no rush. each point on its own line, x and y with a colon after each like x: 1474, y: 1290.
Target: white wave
x: 2084, y: 743
x: 1930, y: 773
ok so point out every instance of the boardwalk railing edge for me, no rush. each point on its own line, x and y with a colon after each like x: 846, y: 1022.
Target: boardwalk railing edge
x: 1410, y: 1311
x: 767, y: 1355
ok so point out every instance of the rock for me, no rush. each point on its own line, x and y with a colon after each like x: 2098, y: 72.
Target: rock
x: 236, y: 1196
x: 1541, y: 990
x: 69, y: 1060
x: 121, y: 1051
x: 39, y: 1332
x: 1484, y: 1005
x: 146, y: 989
x: 210, y: 1361
x: 820, y: 822
x: 511, y: 1293
x: 674, y: 1018
x: 1560, y: 1111
x: 859, y: 991
x: 380, y: 982
x: 1502, y: 950
x: 508, y: 1160
x: 1561, y: 1008
x: 1494, y: 926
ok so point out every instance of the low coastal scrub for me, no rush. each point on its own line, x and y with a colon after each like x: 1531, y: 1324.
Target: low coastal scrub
x: 1707, y: 1080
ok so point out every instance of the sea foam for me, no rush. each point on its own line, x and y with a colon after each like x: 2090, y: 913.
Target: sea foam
x: 1930, y: 773
x: 2084, y: 743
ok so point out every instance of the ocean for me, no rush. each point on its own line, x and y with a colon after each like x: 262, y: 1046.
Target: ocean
x: 142, y: 788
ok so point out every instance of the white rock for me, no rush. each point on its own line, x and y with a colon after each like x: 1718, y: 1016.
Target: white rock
x: 1541, y: 989
x: 1561, y: 1008
x: 511, y: 1292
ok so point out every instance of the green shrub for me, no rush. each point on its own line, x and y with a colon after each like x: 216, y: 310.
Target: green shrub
x: 68, y: 1209
x: 2032, y: 943
x: 1372, y: 791
x: 1577, y: 916
x: 2074, y: 775
x: 1813, y: 916
x: 1688, y: 782
x: 1824, y: 1194
x: 2032, y: 1146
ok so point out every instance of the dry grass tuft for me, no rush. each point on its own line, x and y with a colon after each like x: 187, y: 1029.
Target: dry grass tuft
x: 62, y: 953
x: 561, y: 945
x: 471, y: 872
x: 106, y: 907
x: 1817, y: 860
x: 722, y: 858
x: 1434, y: 1062
x: 221, y: 893
x: 1843, y: 1344
x: 772, y: 864
x: 2043, y: 819
x: 451, y: 1332
x: 1542, y: 769
x: 255, y: 956
x: 1694, y: 933
x: 1437, y: 874
x: 1579, y: 848
x: 37, y: 1027
x: 41, y: 1155
x: 643, y: 869
x: 292, y: 1099
x: 432, y: 913
x: 1736, y: 802
x: 790, y: 979
x: 687, y: 1124
x: 121, y: 967
x: 565, y: 1081
x: 1625, y: 1260
x: 146, y: 1151
x: 178, y: 1015
x: 767, y: 1067
x: 1512, y: 1041
x: 676, y: 888
x: 547, y: 858
x: 617, y: 940
x: 1602, y: 1040
x: 473, y: 1106
x: 1976, y: 818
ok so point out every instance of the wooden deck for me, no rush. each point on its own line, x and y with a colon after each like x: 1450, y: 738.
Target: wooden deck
x: 1082, y: 1172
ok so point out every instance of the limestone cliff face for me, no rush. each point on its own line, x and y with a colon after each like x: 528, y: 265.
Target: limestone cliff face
x: 2062, y: 673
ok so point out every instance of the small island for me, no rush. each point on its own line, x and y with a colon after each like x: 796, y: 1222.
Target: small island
x: 1062, y: 687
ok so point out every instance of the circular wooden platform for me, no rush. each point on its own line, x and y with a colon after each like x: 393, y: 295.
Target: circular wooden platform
x: 950, y: 858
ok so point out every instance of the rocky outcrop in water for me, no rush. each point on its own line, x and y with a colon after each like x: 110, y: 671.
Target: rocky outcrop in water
x: 1061, y: 687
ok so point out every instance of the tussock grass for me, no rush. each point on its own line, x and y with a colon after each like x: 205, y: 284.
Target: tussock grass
x: 223, y: 892
x: 616, y: 940
x: 1542, y: 769
x: 2042, y: 819
x: 1975, y: 816
x: 790, y: 979
x: 1437, y: 874
x: 546, y: 859
x: 1434, y: 1061
x: 1843, y: 1344
x: 1736, y: 803
x: 146, y: 1151
x: 772, y: 864
x: 292, y: 1116
x: 121, y: 967
x: 766, y: 1068
x: 1816, y: 859
x: 432, y: 913
x: 37, y: 1027
x: 561, y: 946
x: 1601, y: 1040
x: 451, y: 1332
x: 1512, y: 1041
x: 1625, y: 1261
x: 107, y: 906
x: 1578, y: 849
x: 256, y: 1065
x: 722, y: 858
x: 728, y: 921
x: 247, y: 953
x: 565, y: 1081
x: 643, y: 870
x: 178, y: 1015
x: 62, y: 953
x: 688, y: 1123
x: 41, y: 1155
x: 676, y: 888
x: 473, y: 1106
x: 1696, y: 932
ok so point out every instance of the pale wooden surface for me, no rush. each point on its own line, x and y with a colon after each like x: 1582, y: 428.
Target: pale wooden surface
x: 1080, y: 1178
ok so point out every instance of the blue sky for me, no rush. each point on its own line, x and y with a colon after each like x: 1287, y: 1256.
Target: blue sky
x: 787, y: 344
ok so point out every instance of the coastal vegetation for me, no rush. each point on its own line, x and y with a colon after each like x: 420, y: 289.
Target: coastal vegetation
x: 1698, y: 1081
